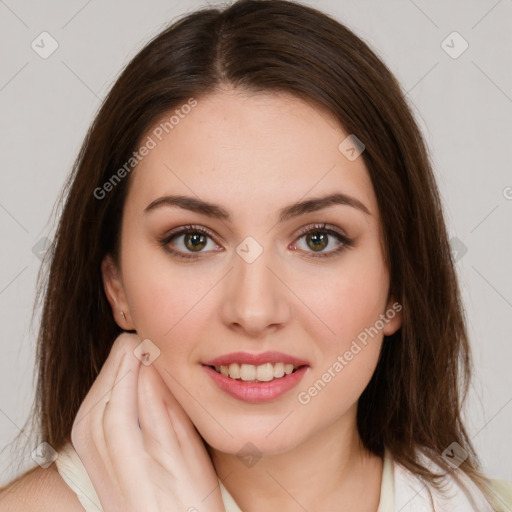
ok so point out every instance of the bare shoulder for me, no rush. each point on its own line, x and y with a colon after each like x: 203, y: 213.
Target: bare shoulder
x: 39, y: 489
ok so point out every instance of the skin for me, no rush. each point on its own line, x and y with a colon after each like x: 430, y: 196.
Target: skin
x: 254, y: 154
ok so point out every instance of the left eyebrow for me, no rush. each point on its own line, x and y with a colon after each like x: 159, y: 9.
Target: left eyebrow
x: 289, y: 212
x: 319, y: 203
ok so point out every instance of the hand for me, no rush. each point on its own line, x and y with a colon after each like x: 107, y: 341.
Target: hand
x: 162, y: 465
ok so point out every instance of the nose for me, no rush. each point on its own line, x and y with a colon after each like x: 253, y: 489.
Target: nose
x: 255, y: 299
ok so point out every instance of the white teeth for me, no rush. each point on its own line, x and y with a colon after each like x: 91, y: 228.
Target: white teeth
x: 247, y: 372
x: 279, y: 370
x: 288, y: 368
x: 263, y: 373
x: 234, y: 370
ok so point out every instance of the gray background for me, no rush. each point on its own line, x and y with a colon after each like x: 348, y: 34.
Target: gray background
x: 463, y: 106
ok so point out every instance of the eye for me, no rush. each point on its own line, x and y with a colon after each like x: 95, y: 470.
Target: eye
x: 194, y: 240
x: 317, y: 238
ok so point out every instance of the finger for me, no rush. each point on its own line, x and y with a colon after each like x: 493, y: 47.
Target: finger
x: 101, y: 387
x: 122, y: 435
x: 161, y: 418
x: 88, y: 436
x: 158, y: 433
x: 191, y: 443
x: 101, y: 392
x: 87, y: 429
x: 194, y: 453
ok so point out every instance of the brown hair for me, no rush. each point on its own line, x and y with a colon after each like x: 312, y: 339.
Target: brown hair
x: 413, y: 399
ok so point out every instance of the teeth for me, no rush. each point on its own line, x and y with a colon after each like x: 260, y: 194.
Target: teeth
x: 262, y: 373
x: 247, y: 372
x: 279, y: 370
x: 265, y: 372
x: 234, y: 370
x: 288, y: 368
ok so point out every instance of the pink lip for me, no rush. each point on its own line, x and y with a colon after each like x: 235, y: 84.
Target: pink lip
x: 255, y: 359
x: 255, y: 392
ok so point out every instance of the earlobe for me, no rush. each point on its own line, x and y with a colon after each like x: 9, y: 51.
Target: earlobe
x: 114, y: 290
x: 394, y: 317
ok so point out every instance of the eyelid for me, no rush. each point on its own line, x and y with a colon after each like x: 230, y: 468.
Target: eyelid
x: 310, y: 228
x: 321, y: 226
x: 302, y: 231
x: 181, y: 230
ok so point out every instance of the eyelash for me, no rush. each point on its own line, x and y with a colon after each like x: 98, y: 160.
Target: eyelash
x: 184, y: 230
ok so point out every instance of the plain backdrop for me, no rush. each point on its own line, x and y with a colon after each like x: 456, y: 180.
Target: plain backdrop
x: 462, y: 99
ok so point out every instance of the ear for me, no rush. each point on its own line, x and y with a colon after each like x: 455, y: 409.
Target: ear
x: 394, y: 315
x: 114, y: 289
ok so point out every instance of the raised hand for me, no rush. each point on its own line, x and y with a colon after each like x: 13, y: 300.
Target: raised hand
x: 161, y: 465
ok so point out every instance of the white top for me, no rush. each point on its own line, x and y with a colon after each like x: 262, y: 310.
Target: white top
x: 400, y: 491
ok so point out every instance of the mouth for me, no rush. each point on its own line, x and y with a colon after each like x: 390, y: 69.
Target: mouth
x: 261, y: 373
x: 256, y: 384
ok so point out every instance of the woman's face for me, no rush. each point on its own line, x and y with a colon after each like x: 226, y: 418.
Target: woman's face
x: 255, y: 282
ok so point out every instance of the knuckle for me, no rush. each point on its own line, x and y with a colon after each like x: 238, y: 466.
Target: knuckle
x: 125, y: 343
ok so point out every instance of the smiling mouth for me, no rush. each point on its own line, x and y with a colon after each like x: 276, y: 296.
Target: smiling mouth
x: 262, y: 373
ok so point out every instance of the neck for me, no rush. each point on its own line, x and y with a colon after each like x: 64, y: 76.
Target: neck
x: 330, y: 470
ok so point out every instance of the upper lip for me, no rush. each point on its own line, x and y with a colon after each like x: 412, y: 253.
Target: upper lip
x: 255, y: 359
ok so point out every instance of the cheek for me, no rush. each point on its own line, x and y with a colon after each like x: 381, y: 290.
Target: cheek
x: 335, y: 388
x: 164, y: 301
x: 350, y: 306
x: 349, y: 302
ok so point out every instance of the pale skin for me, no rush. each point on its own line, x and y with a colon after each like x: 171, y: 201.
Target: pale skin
x: 251, y: 154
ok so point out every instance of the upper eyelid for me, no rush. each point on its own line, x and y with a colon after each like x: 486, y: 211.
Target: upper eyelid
x: 318, y: 226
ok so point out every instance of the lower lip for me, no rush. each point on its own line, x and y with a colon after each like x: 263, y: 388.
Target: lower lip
x: 256, y: 392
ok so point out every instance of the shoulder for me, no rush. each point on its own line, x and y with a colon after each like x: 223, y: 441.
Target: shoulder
x: 39, y: 489
x: 457, y: 490
x: 501, y: 494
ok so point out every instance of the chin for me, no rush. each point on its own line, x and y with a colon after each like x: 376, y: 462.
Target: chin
x: 252, y: 442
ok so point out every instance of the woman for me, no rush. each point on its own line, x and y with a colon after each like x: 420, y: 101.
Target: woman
x: 251, y: 301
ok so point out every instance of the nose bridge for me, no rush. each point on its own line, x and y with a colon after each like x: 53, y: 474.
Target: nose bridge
x: 255, y: 298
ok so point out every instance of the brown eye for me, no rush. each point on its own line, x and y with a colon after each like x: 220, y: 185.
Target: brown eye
x: 195, y: 241
x: 188, y: 242
x: 317, y: 240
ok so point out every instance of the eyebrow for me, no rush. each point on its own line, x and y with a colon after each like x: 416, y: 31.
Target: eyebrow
x: 194, y: 204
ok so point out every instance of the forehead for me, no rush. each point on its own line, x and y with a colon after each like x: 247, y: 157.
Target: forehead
x: 247, y: 150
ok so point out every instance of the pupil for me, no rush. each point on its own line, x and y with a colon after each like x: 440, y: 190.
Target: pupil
x: 197, y: 241
x: 319, y: 240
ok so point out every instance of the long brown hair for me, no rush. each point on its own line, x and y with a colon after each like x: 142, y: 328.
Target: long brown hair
x: 415, y: 396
